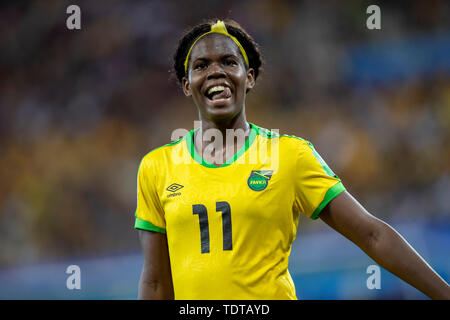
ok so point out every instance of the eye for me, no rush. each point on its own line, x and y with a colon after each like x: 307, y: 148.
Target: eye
x: 230, y: 62
x: 199, y: 66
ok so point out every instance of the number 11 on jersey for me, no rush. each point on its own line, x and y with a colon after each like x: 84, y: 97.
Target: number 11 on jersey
x: 223, y: 207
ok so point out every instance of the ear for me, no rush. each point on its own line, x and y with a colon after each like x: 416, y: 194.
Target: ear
x: 186, y: 87
x: 250, y: 79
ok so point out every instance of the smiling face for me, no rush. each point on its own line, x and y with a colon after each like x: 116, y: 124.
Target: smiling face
x: 217, y: 78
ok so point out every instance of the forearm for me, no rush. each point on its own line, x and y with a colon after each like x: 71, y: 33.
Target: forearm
x: 154, y: 289
x: 391, y: 251
x: 384, y: 245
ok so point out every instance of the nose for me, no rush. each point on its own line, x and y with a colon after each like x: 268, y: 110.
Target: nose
x: 215, y: 71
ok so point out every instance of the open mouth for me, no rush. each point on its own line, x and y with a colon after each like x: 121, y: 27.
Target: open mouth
x: 218, y: 93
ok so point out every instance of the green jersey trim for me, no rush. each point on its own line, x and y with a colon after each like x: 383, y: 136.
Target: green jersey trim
x: 199, y: 159
x: 265, y: 132
x: 324, y: 165
x: 321, y: 161
x: 332, y: 193
x: 145, y: 225
x: 142, y: 224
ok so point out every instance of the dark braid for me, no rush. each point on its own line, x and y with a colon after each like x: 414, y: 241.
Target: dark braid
x: 247, y: 42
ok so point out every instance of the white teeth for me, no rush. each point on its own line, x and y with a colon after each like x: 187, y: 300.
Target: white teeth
x: 215, y: 89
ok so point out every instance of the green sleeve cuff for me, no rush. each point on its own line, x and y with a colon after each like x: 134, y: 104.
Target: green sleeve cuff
x: 145, y: 225
x: 332, y: 193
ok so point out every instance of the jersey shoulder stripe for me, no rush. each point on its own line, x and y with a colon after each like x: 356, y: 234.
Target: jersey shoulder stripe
x: 310, y: 147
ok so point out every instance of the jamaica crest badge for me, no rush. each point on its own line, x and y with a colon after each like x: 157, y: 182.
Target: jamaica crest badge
x: 259, y: 179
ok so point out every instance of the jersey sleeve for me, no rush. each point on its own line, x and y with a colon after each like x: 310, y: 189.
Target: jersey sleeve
x: 149, y: 212
x: 315, y: 183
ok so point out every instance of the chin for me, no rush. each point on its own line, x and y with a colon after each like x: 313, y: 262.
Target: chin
x: 222, y: 114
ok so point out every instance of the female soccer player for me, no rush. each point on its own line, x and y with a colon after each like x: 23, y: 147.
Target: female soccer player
x: 220, y: 224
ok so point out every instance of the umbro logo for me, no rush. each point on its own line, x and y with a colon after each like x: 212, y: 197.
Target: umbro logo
x: 174, y: 187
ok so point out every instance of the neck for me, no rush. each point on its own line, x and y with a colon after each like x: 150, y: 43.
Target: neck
x: 224, y: 136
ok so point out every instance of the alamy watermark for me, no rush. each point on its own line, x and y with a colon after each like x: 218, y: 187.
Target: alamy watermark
x: 374, y: 20
x: 74, y: 280
x: 374, y: 280
x: 212, y: 145
x: 74, y: 20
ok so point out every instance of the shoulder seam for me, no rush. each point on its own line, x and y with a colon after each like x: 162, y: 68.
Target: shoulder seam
x: 266, y: 133
x: 270, y: 134
x: 295, y: 137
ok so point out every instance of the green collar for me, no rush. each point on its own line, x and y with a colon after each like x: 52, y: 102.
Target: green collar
x: 199, y: 159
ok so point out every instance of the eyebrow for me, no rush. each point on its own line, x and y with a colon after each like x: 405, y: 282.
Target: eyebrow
x: 225, y: 56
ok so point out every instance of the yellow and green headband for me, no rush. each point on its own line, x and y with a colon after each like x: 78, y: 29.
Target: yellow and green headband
x: 218, y: 27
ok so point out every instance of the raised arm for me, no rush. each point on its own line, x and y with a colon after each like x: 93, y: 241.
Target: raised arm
x: 156, y: 279
x: 383, y: 244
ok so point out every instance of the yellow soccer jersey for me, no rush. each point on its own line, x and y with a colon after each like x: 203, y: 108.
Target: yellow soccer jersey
x: 230, y: 228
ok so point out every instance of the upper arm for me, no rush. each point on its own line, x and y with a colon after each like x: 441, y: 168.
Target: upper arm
x: 155, y: 250
x: 156, y: 279
x: 345, y: 215
x: 149, y: 211
x: 156, y: 270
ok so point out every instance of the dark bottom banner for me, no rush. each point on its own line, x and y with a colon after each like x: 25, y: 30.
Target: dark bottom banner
x: 234, y: 310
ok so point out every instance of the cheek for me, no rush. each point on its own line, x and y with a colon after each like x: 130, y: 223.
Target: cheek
x: 240, y: 79
x: 195, y: 85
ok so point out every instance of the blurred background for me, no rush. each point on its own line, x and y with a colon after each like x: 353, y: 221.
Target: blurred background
x: 80, y: 108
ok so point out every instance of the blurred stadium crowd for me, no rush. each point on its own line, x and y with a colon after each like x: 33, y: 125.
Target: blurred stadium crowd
x: 79, y: 109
